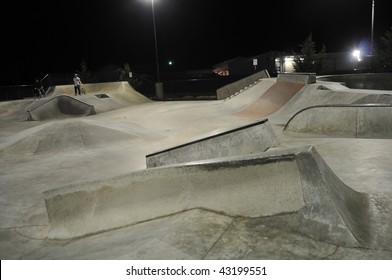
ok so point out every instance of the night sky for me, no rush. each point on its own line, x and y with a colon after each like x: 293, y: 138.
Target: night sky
x: 46, y: 36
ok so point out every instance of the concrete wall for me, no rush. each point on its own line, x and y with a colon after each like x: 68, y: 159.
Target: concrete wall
x: 230, y: 89
x: 300, y: 78
x: 358, y: 121
x: 253, y: 138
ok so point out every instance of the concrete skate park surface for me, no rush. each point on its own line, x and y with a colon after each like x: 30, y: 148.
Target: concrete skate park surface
x: 78, y: 187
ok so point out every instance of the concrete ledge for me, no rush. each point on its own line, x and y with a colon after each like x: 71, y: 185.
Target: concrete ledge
x: 300, y: 78
x: 59, y: 107
x: 275, y: 182
x: 357, y: 121
x: 230, y: 89
x: 249, y: 187
x: 253, y: 138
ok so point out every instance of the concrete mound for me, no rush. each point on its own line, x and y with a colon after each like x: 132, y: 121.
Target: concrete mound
x: 272, y: 183
x: 57, y: 137
x: 61, y: 106
x: 15, y: 109
x: 358, y: 121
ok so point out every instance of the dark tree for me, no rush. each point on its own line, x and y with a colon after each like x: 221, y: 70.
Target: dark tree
x: 133, y: 80
x: 309, y: 60
x: 386, y: 51
x: 84, y: 74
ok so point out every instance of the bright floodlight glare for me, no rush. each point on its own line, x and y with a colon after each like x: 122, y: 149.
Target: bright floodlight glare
x: 357, y: 54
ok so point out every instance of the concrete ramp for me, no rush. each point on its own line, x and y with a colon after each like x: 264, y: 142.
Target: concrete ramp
x: 253, y: 138
x: 62, y: 106
x: 357, y: 121
x: 272, y: 183
x: 271, y: 100
x: 233, y: 88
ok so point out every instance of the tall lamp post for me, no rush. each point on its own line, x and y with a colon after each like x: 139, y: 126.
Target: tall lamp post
x: 372, y: 34
x: 158, y: 84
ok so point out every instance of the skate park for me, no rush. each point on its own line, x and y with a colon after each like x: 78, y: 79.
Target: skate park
x: 292, y: 167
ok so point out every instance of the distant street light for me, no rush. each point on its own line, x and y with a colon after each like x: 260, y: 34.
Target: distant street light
x: 357, y: 55
x: 372, y: 35
x: 158, y: 84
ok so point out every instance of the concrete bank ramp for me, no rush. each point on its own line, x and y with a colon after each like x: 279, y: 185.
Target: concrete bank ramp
x: 271, y: 183
x: 234, y: 88
x: 277, y: 95
x: 58, y: 107
x: 253, y: 138
x: 357, y: 121
x: 248, y: 95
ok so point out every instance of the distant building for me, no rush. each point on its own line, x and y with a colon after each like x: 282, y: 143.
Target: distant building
x: 278, y: 62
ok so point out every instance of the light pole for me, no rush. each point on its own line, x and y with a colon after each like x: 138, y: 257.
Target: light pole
x: 372, y: 34
x: 158, y: 84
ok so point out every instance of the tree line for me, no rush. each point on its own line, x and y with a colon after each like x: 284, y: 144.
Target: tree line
x: 311, y: 60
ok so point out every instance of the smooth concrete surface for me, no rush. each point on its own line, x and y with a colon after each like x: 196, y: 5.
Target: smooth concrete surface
x: 253, y: 138
x: 359, y: 121
x: 344, y: 183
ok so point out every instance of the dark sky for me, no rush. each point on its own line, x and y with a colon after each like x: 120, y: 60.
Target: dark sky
x: 42, y: 36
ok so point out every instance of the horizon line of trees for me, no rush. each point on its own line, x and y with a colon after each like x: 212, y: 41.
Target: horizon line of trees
x: 311, y: 60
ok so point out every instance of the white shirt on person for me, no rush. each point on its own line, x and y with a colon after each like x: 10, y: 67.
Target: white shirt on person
x: 77, y: 81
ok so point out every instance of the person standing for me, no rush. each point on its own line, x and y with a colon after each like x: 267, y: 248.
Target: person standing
x: 77, y: 84
x: 39, y: 89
